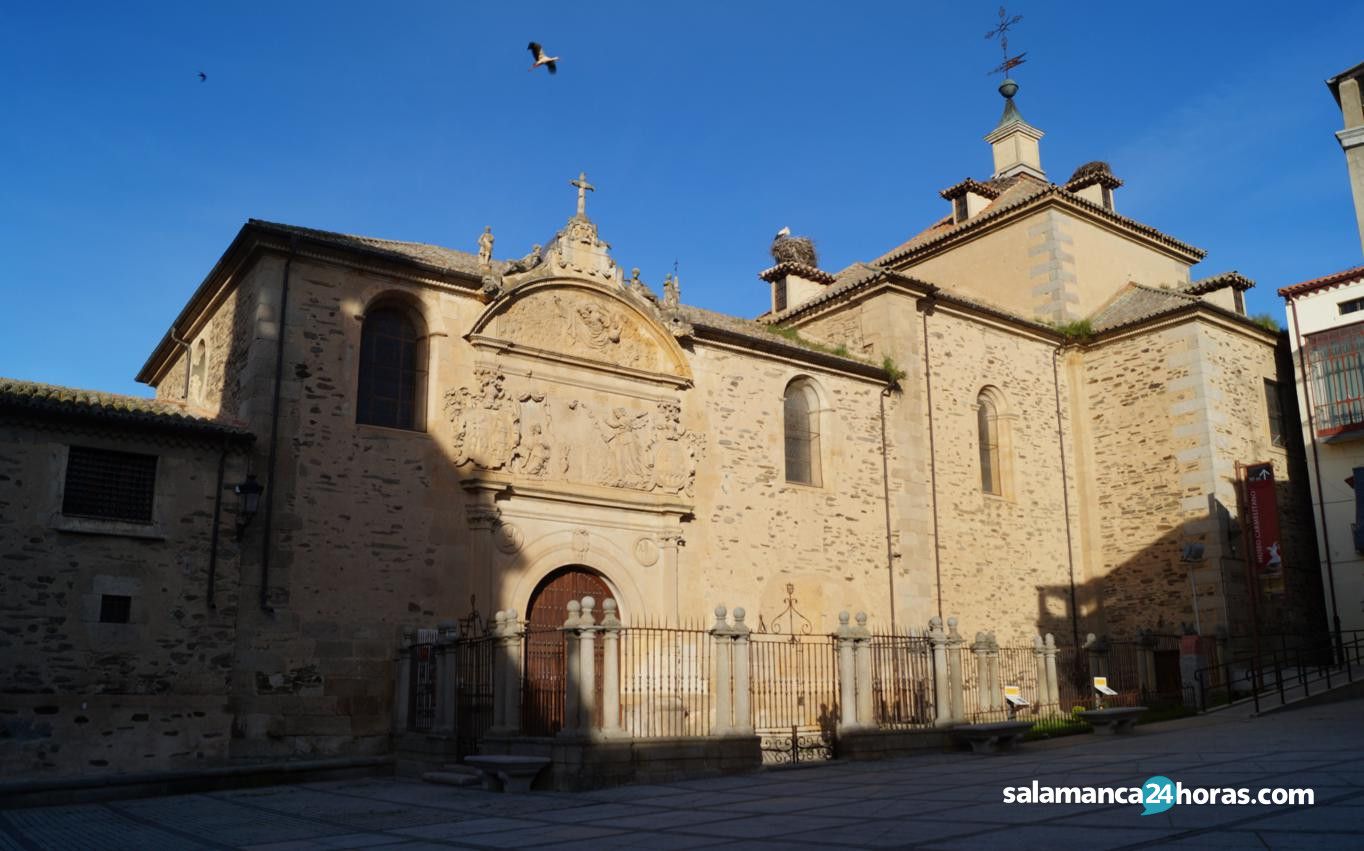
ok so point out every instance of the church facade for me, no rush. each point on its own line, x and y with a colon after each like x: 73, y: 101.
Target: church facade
x: 1029, y: 416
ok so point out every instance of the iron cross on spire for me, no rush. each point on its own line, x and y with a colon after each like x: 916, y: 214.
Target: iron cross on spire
x: 1002, y: 30
x: 583, y: 188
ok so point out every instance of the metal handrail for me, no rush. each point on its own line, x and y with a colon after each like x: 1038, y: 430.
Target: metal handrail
x: 1303, y: 663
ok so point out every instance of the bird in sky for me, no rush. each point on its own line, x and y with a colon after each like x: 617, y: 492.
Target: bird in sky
x: 541, y: 59
x: 202, y: 76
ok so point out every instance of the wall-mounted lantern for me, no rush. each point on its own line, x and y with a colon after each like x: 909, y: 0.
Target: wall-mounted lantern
x: 248, y: 492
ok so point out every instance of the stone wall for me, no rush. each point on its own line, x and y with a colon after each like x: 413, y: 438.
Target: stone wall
x: 81, y: 696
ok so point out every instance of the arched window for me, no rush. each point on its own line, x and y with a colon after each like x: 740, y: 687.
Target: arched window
x: 800, y: 419
x: 392, y: 389
x: 987, y: 428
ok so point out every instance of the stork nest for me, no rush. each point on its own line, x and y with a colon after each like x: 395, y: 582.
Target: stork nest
x: 795, y: 249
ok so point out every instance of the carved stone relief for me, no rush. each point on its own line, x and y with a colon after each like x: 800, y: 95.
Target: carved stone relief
x: 550, y: 438
x: 508, y: 538
x: 646, y: 552
x: 580, y: 325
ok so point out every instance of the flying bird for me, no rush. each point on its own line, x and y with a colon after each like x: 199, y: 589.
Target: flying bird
x: 541, y: 59
x: 202, y: 76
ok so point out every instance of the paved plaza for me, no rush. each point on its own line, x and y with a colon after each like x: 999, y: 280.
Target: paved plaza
x: 938, y: 801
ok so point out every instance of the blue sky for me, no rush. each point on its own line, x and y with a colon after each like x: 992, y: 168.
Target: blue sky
x: 705, y: 126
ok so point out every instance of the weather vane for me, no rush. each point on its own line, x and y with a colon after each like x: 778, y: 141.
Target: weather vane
x: 1002, y: 30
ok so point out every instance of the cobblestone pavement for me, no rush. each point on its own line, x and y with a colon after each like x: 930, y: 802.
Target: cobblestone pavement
x: 936, y: 801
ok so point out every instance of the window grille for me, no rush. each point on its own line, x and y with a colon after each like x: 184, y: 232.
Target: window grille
x: 1335, y: 364
x: 392, y: 371
x: 115, y: 608
x: 801, y: 423
x: 1274, y: 407
x: 109, y: 485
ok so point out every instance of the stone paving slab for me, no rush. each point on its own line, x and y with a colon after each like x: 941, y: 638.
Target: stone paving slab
x: 940, y: 800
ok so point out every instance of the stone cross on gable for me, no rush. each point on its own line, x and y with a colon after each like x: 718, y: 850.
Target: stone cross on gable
x: 583, y: 188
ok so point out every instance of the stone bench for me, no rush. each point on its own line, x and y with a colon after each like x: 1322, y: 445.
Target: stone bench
x: 1114, y: 720
x: 507, y: 773
x: 992, y: 738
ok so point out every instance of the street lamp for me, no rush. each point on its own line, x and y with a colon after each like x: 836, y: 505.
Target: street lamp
x: 248, y: 492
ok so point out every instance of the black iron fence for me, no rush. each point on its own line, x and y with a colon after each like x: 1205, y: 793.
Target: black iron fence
x: 666, y: 679
x: 794, y: 693
x: 902, y: 682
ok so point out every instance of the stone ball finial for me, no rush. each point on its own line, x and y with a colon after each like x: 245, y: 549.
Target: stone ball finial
x: 1037, y: 642
x: 1008, y: 88
x: 1051, y: 640
x: 511, y: 616
x: 843, y: 618
x: 608, y: 605
x: 720, y: 612
x: 499, y: 616
x: 574, y: 606
x: 861, y: 618
x: 935, y: 622
x: 739, y: 614
x: 589, y: 604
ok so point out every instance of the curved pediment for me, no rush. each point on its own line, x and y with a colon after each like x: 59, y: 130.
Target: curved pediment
x: 596, y: 326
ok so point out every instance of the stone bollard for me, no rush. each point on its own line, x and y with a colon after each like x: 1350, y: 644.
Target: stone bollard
x: 587, y: 668
x: 511, y: 681
x: 743, y: 710
x: 847, y: 673
x: 1053, y: 690
x: 942, y: 709
x: 956, y: 685
x: 402, y: 680
x: 572, y: 671
x: 610, y: 688
x: 722, y: 643
x: 447, y: 632
x: 862, y: 651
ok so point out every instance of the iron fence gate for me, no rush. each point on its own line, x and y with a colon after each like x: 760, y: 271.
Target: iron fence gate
x: 794, y: 695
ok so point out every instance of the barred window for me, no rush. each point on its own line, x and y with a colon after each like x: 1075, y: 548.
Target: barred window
x: 115, y: 608
x: 109, y: 485
x: 1274, y: 407
x: 1335, y: 364
x: 392, y: 389
x: 800, y: 411
x: 987, y: 428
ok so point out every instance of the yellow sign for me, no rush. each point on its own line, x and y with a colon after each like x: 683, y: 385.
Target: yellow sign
x: 1013, y: 691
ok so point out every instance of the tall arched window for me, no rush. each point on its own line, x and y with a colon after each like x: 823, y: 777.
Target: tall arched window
x: 800, y: 420
x: 392, y: 389
x: 987, y: 427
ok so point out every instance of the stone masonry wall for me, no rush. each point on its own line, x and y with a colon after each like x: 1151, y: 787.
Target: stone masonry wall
x: 84, y: 697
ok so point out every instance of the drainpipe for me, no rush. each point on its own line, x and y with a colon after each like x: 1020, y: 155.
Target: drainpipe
x: 184, y: 344
x: 1065, y: 495
x: 1316, y: 464
x: 927, y: 305
x: 274, y: 432
x: 217, y: 513
x: 885, y: 488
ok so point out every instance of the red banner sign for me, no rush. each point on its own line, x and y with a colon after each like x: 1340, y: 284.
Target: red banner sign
x: 1263, y: 510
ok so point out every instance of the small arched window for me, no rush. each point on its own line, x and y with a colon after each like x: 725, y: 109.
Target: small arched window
x: 800, y: 418
x: 392, y: 389
x: 987, y: 428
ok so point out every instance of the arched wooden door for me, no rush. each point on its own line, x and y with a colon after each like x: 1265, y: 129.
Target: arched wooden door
x: 542, y: 704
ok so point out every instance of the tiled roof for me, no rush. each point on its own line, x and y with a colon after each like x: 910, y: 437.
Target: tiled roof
x: 989, y: 189
x: 1232, y: 279
x: 845, y: 281
x: 30, y: 397
x: 1136, y: 303
x: 763, y: 335
x: 432, y: 256
x: 1093, y: 172
x: 799, y: 269
x: 1322, y: 283
x: 1024, y: 191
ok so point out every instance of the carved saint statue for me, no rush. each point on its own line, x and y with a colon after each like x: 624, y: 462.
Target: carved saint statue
x: 628, y: 466
x: 485, y: 247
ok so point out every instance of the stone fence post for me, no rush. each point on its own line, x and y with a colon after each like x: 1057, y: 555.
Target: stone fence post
x: 610, y: 689
x: 572, y: 672
x: 507, y: 632
x: 402, y: 680
x: 446, y: 663
x: 862, y: 652
x: 1039, y: 661
x: 1146, y: 662
x: 847, y: 673
x: 956, y: 683
x: 587, y: 668
x: 980, y: 648
x: 996, y: 679
x: 499, y: 673
x: 1053, y: 690
x: 743, y: 710
x: 942, y: 710
x: 1097, y: 651
x: 721, y: 641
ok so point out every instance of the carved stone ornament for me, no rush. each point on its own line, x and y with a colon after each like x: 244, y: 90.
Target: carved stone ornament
x: 583, y: 325
x: 508, y: 538
x: 538, y: 437
x: 646, y: 552
x: 582, y: 541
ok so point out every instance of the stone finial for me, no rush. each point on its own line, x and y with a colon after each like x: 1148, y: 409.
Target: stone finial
x: 1037, y: 642
x: 608, y: 614
x: 740, y: 627
x: 952, y: 629
x: 573, y: 609
x: 843, y: 618
x: 720, y: 614
x: 499, y: 621
x: 513, y: 620
x: 587, y: 619
x: 672, y: 291
x: 934, y: 623
x: 1051, y: 641
x: 861, y: 619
